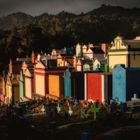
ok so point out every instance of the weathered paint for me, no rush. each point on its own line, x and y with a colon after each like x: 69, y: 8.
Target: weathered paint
x: 15, y: 93
x: 40, y: 80
x: 54, y: 85
x: 56, y: 81
x: 124, y: 52
x: 119, y: 83
x: 28, y: 84
x: 98, y: 87
x: 85, y: 85
x: 94, y: 86
x: 67, y: 84
x: 40, y: 84
x: 2, y: 88
x: 125, y: 83
x: 8, y: 98
x: 28, y: 88
x: 1, y: 85
x: 21, y: 86
x: 135, y: 59
x: 103, y: 85
x: 116, y: 58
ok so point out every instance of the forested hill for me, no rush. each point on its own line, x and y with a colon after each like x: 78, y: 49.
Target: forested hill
x: 99, y: 25
x: 21, y: 33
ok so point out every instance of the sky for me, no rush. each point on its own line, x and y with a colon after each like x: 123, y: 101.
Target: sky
x: 37, y: 7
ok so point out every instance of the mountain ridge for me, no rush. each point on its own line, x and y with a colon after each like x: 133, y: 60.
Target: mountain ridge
x: 20, y: 19
x: 21, y: 33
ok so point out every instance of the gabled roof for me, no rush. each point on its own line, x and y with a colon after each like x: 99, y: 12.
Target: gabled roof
x: 125, y: 44
x: 70, y: 61
x: 28, y: 72
x: 40, y: 65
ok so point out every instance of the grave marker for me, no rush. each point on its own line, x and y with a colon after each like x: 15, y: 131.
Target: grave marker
x: 43, y: 108
x: 58, y: 108
x: 95, y: 110
x: 84, y: 113
x: 70, y: 111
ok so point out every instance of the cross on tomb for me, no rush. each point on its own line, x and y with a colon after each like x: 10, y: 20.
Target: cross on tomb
x: 43, y: 108
x: 95, y: 110
x: 84, y: 113
x: 75, y: 102
x: 68, y: 103
x: 85, y: 106
x: 134, y: 97
x: 70, y: 111
x: 38, y: 57
x: 58, y: 108
x: 49, y: 111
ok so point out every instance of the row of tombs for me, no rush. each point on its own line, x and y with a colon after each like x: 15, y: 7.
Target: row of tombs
x: 120, y: 84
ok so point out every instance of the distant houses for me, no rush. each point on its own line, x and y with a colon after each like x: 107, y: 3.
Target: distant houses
x: 85, y: 72
x: 89, y: 57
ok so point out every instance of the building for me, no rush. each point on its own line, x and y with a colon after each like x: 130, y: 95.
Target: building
x: 28, y: 84
x: 40, y: 78
x: 21, y: 86
x: 2, y: 88
x: 89, y: 57
x: 125, y: 83
x: 126, y: 52
x: 98, y: 86
x: 78, y: 85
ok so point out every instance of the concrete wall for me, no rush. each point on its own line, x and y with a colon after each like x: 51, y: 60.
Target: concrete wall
x: 54, y: 85
x: 40, y: 84
x: 28, y: 87
x: 117, y: 58
x: 119, y: 84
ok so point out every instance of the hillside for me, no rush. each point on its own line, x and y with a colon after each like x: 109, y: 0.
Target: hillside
x: 100, y: 25
x: 16, y: 19
x: 21, y: 33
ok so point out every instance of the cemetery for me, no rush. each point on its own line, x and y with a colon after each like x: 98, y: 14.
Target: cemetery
x: 72, y: 97
x: 58, y: 119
